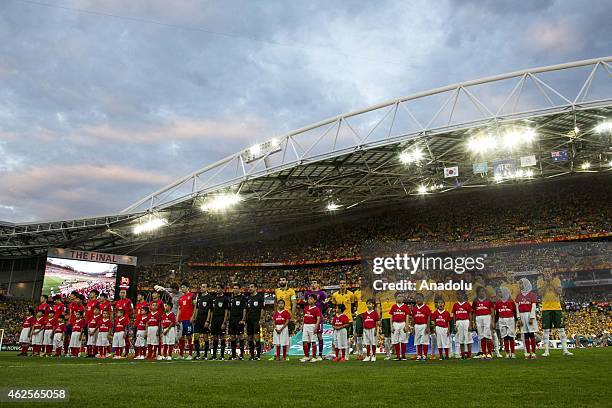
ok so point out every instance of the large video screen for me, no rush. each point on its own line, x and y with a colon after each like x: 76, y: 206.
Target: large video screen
x: 63, y: 276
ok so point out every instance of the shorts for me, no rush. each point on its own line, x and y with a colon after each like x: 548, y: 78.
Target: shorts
x: 507, y: 327
x: 48, y: 337
x: 369, y: 337
x: 58, y: 342
x: 386, y: 327
x: 308, y: 333
x: 235, y: 328
x: 443, y: 337
x: 463, y: 335
x: 170, y: 337
x: 341, y: 338
x: 152, y: 336
x: 421, y: 337
x: 359, y: 325
x: 186, y: 328
x: 282, y: 338
x: 483, y: 327
x: 92, y: 338
x: 102, y: 340
x: 37, y: 339
x: 24, y: 336
x: 75, y: 339
x: 398, y: 335
x: 199, y: 328
x: 552, y: 319
x: 141, y: 341
x: 215, y: 327
x: 526, y: 326
x: 119, y: 339
x: 252, y: 327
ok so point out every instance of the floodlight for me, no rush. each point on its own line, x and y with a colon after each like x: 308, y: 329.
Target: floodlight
x: 333, y: 206
x: 604, y: 127
x: 585, y: 166
x: 422, y: 189
x: 151, y: 225
x: 221, y: 202
x: 407, y: 157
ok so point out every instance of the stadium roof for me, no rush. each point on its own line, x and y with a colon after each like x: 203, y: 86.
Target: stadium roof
x: 561, y: 115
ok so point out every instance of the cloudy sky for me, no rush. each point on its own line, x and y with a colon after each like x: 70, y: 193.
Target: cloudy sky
x: 105, y: 101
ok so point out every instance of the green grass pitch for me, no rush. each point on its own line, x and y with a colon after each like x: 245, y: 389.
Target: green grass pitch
x: 556, y: 381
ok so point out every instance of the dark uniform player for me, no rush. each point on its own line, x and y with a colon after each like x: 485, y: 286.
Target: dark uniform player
x: 254, y: 320
x: 217, y: 320
x: 237, y: 317
x: 200, y: 326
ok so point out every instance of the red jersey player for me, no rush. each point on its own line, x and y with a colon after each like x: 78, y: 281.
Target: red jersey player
x: 504, y: 311
x: 421, y: 315
x: 50, y: 323
x: 370, y: 320
x: 26, y: 329
x: 340, y: 323
x: 462, y: 314
x: 76, y: 335
x: 58, y: 335
x: 399, y: 314
x: 120, y: 334
x: 92, y: 332
x: 105, y: 326
x: 311, y: 320
x: 485, y: 321
x: 140, y: 344
x: 37, y: 333
x: 153, y: 322
x: 441, y: 319
x: 526, y: 303
x: 168, y: 332
x: 280, y: 337
x: 186, y: 314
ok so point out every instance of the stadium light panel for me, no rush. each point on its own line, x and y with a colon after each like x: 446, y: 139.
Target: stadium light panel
x: 482, y: 144
x: 422, y: 189
x: 604, y: 127
x: 151, y: 225
x: 221, y: 202
x: 333, y: 207
x: 413, y: 156
x: 585, y: 166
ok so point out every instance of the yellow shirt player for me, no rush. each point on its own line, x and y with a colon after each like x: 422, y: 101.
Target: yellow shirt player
x: 549, y: 289
x: 346, y: 298
x: 361, y: 308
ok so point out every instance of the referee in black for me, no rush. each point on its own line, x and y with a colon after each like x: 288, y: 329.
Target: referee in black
x: 201, y: 328
x: 217, y: 320
x: 254, y: 321
x: 237, y: 317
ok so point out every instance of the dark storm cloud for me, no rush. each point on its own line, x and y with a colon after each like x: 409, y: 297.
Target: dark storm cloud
x: 97, y: 111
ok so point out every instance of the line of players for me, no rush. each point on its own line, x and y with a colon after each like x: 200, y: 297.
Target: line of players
x: 103, y: 326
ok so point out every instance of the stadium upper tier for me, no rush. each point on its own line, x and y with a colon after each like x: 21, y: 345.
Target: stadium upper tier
x: 527, y: 126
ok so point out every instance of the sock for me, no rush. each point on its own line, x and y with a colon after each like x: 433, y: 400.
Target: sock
x: 343, y: 353
x: 314, y: 349
x: 75, y: 351
x: 489, y: 346
x: 533, y: 343
x: 469, y: 350
x: 66, y: 344
x: 321, y: 347
x: 165, y: 350
x: 278, y: 351
x: 527, y: 340
x: 440, y: 352
x: 241, y: 343
x: 127, y: 344
x: 182, y: 346
x: 403, y: 349
x: 336, y: 351
x: 58, y: 351
x: 511, y: 341
x: 190, y: 345
x: 252, y: 348
x: 397, y: 350
x: 233, y: 346
x: 206, y: 347
x: 368, y: 350
x: 285, y: 352
x: 306, y: 348
x: 149, y: 351
x: 506, y: 345
x: 563, y: 338
x: 446, y: 353
x: 419, y: 350
x: 483, y: 346
x: 425, y: 350
x: 223, y: 342
x: 170, y: 350
x: 546, y: 339
x: 215, y: 346
x: 258, y: 348
x: 196, y: 344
